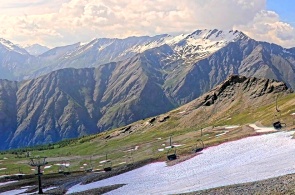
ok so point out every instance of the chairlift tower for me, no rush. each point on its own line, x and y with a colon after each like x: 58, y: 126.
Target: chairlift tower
x: 171, y: 155
x: 38, y: 162
x: 107, y: 164
x: 277, y: 123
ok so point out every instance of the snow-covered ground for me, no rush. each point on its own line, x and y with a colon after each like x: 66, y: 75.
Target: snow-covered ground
x: 249, y: 159
x: 22, y: 191
x: 8, y: 182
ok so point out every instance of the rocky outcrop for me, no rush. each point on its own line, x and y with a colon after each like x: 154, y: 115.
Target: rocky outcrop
x: 253, y: 87
x: 236, y: 94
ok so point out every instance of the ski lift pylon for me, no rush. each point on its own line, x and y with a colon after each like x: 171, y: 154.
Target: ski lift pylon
x: 277, y: 123
x: 171, y: 153
x: 107, y: 165
x: 199, y: 146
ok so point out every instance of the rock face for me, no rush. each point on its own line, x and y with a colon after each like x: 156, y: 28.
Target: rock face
x: 236, y: 94
x: 250, y: 87
x: 73, y: 102
x: 8, y: 111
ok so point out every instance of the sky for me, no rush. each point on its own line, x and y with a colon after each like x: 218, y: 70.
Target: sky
x: 61, y: 22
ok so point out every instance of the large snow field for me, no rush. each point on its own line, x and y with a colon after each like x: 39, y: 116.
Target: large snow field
x: 249, y: 159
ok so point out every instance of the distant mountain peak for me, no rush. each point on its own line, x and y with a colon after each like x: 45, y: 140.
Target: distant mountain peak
x: 36, y: 49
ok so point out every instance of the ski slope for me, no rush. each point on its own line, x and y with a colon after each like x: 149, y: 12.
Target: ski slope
x: 249, y: 159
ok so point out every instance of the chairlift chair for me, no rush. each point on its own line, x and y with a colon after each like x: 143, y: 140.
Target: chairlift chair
x: 61, y: 168
x: 88, y: 170
x: 107, y: 165
x: 89, y: 166
x: 64, y: 169
x: 199, y: 146
x: 129, y: 158
x: 277, y: 123
x: 171, y: 154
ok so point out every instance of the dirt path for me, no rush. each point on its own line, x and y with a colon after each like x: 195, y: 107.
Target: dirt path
x: 279, y: 185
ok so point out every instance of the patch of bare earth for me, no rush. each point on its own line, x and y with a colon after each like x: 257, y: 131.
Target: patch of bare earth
x: 274, y: 186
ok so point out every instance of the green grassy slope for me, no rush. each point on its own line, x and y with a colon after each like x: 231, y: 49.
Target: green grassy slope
x: 239, y: 102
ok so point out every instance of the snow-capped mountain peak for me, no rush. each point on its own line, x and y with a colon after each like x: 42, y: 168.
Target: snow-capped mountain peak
x: 216, y: 35
x: 192, y: 46
x: 12, y: 47
x: 200, y: 42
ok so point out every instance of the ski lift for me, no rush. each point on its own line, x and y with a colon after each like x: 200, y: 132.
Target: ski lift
x: 277, y: 123
x: 199, y: 146
x: 89, y: 167
x: 20, y: 173
x: 129, y: 158
x: 171, y: 153
x: 64, y: 168
x: 107, y: 164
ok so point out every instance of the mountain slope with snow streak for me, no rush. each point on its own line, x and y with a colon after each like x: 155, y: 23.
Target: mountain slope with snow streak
x: 197, y: 45
x: 12, y: 47
x: 249, y: 159
x: 200, y: 41
x: 187, y: 47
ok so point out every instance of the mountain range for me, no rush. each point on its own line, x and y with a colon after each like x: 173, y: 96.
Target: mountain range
x: 83, y: 89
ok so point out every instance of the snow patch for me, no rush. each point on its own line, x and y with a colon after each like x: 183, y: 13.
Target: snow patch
x: 63, y: 164
x: 5, y: 183
x: 121, y: 163
x: 177, y: 145
x: 262, y: 129
x: 15, y: 192
x: 246, y: 160
x: 218, y: 135
x: 231, y: 126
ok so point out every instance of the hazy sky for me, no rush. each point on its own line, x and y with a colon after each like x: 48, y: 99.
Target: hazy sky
x: 59, y: 22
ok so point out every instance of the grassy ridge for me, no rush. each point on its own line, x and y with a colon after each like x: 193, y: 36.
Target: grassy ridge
x: 145, y: 139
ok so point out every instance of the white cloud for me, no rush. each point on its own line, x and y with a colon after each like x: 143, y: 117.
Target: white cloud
x: 70, y: 21
x: 266, y: 26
